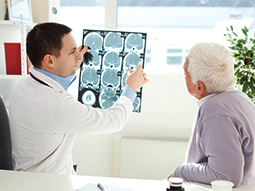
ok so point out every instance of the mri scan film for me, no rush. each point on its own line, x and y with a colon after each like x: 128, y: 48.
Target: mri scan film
x: 103, y: 75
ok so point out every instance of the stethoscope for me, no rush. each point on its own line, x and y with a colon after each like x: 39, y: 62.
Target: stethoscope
x: 41, y: 82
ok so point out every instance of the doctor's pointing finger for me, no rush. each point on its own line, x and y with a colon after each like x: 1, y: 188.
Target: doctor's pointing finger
x: 137, y: 78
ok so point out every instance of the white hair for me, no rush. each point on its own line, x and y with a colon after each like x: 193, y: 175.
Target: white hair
x: 212, y: 64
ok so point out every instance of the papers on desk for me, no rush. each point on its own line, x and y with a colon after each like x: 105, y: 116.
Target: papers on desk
x: 93, y: 187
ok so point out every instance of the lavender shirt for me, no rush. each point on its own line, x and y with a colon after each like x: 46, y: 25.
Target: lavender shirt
x: 222, y: 142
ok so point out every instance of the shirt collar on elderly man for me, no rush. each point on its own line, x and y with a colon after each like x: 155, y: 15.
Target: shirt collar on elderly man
x: 201, y: 101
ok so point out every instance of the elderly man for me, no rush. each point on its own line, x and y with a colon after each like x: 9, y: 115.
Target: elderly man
x: 222, y: 142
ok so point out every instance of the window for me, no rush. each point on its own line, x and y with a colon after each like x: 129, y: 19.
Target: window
x: 176, y: 55
x: 80, y: 14
x: 171, y: 25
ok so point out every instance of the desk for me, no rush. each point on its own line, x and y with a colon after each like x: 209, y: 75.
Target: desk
x: 26, y: 181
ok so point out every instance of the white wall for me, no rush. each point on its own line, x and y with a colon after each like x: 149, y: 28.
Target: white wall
x: 2, y: 10
x: 167, y: 111
x: 147, y: 158
x: 7, y: 34
x: 6, y: 87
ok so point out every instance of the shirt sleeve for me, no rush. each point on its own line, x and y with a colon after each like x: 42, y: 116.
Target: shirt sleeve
x: 219, y: 139
x: 130, y: 93
x: 70, y: 116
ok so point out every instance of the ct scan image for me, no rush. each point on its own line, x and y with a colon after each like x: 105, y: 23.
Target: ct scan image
x: 102, y: 77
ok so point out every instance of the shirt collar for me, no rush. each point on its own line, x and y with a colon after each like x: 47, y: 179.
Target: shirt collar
x: 64, y: 82
x: 201, y: 101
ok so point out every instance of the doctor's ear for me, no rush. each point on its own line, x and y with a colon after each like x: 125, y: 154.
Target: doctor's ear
x: 47, y: 59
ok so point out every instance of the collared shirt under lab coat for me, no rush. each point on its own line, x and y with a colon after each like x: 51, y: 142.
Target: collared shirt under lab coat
x: 44, y: 122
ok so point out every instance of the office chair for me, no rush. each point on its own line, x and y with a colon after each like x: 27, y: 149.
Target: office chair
x: 5, y: 139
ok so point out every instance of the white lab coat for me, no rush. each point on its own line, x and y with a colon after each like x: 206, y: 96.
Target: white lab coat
x: 44, y: 122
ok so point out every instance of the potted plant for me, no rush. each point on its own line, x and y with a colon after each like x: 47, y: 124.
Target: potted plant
x: 243, y: 51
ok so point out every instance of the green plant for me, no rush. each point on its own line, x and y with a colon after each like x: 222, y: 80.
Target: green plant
x: 242, y: 50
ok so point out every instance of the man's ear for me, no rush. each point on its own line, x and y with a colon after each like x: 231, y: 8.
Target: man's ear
x: 48, y: 61
x: 200, y: 88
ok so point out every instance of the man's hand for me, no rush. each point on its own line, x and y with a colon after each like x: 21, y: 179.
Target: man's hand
x: 136, y: 79
x: 82, y: 52
x: 171, y: 175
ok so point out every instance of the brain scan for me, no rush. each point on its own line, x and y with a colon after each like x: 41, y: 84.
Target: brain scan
x: 112, y: 59
x: 131, y: 60
x: 136, y: 104
x: 113, y: 40
x: 89, y: 77
x: 94, y: 41
x: 107, y: 98
x: 110, y: 78
x: 96, y: 58
x: 89, y: 98
x: 102, y: 79
x: 135, y: 41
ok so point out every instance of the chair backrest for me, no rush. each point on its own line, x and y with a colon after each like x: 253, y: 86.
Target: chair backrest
x: 5, y: 139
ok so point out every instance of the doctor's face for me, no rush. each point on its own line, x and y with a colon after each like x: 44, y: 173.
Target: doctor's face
x: 69, y: 60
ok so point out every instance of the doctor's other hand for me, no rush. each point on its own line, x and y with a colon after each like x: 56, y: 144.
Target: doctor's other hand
x: 136, y: 79
x: 82, y: 51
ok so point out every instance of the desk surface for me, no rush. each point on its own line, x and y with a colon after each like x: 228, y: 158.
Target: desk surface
x: 13, y: 181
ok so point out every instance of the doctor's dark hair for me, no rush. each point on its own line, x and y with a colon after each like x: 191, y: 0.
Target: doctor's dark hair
x: 45, y: 38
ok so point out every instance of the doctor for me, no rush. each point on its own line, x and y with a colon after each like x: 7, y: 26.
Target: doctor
x: 44, y: 118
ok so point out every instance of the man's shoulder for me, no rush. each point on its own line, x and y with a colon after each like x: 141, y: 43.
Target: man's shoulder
x: 226, y: 103
x: 225, y: 97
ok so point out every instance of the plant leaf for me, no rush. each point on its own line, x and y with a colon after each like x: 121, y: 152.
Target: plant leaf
x: 245, y: 87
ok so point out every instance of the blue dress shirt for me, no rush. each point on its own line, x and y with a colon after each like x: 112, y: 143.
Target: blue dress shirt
x: 67, y: 81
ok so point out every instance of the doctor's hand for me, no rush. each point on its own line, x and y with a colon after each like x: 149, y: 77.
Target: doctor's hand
x: 136, y: 79
x: 82, y: 51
